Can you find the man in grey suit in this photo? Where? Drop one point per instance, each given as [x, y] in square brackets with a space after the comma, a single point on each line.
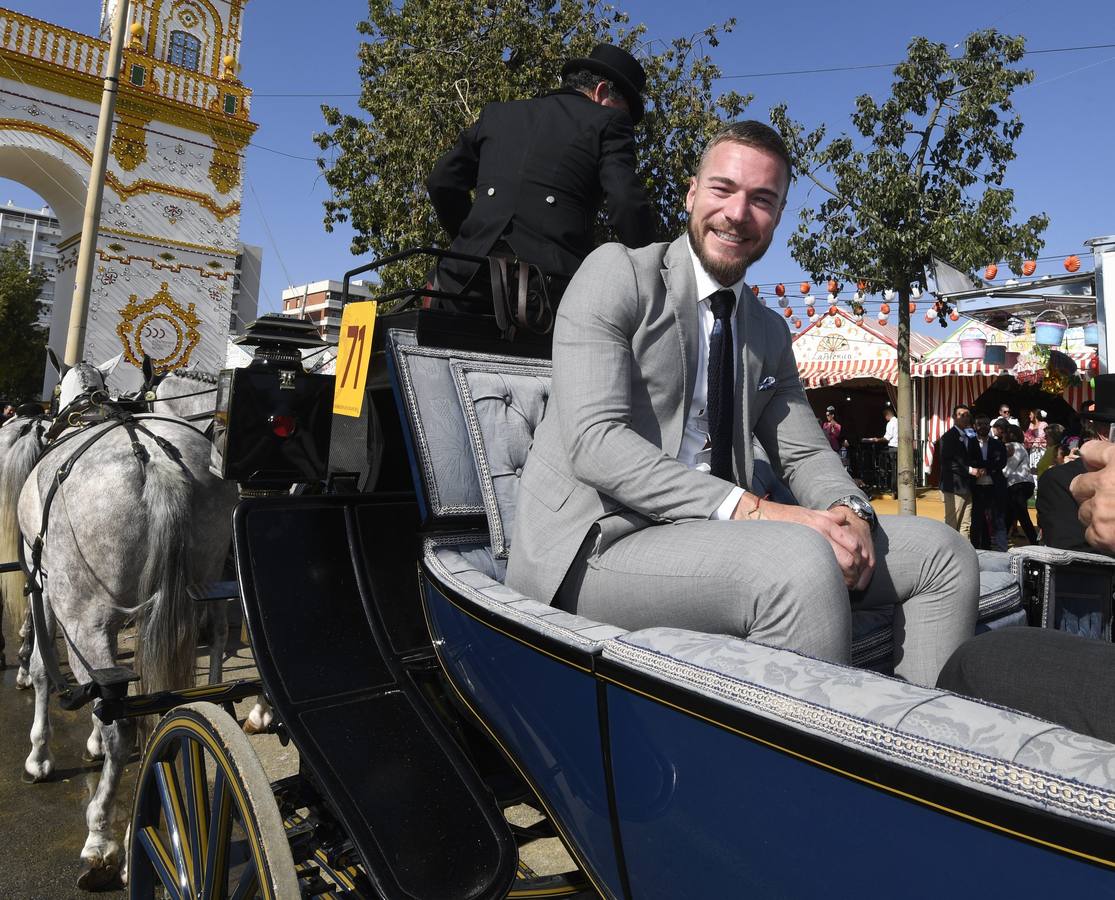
[634, 508]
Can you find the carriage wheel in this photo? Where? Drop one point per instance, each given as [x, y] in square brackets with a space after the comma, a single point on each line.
[205, 823]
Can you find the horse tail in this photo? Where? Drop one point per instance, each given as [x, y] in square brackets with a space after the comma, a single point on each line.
[15, 468]
[166, 630]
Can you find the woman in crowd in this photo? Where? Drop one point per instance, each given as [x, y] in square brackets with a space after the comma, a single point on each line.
[1020, 482]
[1034, 437]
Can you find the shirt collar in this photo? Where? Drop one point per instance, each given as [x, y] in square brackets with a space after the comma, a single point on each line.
[706, 284]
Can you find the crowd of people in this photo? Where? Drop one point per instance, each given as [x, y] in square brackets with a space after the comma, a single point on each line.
[991, 469]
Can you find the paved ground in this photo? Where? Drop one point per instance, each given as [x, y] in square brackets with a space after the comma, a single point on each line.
[42, 826]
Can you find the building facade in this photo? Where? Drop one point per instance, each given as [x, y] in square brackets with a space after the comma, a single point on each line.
[167, 249]
[39, 232]
[321, 303]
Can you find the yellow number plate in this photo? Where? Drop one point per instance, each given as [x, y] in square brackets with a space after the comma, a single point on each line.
[354, 353]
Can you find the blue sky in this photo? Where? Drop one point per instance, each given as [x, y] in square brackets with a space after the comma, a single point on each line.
[1064, 155]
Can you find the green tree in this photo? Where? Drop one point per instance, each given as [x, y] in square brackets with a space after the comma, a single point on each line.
[22, 341]
[922, 176]
[427, 69]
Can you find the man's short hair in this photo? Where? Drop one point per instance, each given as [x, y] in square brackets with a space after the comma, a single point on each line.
[584, 80]
[751, 133]
[960, 406]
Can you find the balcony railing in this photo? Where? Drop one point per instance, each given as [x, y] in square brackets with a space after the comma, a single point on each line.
[53, 44]
[87, 55]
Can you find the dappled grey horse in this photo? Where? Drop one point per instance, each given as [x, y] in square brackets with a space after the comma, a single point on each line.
[187, 394]
[137, 519]
[21, 445]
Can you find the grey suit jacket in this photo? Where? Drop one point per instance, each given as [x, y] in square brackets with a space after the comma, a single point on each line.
[625, 361]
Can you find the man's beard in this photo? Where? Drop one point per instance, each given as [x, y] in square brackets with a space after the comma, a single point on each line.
[724, 271]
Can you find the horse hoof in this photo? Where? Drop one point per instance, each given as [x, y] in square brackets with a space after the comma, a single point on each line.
[87, 757]
[251, 727]
[28, 778]
[22, 680]
[96, 878]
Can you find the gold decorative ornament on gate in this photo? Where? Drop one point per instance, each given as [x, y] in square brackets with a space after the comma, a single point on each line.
[161, 328]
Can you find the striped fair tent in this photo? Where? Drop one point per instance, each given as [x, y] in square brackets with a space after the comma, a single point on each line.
[836, 348]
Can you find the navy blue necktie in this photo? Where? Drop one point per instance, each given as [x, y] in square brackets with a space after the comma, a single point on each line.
[721, 384]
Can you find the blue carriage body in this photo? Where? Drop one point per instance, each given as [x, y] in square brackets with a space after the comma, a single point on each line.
[678, 764]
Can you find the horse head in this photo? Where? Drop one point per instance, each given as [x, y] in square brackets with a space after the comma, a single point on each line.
[84, 380]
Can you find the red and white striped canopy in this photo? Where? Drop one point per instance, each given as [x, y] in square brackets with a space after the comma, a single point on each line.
[821, 374]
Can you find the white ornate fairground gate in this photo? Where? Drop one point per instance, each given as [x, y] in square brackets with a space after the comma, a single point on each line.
[167, 245]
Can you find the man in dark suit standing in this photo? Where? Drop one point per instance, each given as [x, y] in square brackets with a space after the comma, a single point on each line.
[986, 457]
[956, 482]
[529, 176]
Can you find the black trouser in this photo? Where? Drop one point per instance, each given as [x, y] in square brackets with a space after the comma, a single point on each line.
[988, 506]
[1018, 510]
[1062, 677]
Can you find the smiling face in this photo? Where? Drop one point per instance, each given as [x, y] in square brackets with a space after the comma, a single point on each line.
[734, 205]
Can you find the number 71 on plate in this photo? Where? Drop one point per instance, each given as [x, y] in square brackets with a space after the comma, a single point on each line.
[354, 353]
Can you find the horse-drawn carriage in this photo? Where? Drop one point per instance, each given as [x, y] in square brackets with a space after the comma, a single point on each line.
[424, 696]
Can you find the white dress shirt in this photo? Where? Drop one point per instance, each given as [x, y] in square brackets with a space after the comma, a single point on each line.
[695, 450]
[891, 434]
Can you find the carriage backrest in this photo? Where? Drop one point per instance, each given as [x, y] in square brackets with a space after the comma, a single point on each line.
[470, 419]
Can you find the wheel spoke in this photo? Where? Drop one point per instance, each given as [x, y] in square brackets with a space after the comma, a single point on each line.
[249, 884]
[175, 819]
[196, 802]
[220, 834]
[160, 859]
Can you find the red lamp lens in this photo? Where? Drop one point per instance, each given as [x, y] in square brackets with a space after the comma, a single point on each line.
[283, 426]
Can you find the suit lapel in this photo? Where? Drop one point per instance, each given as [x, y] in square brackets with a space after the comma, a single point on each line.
[681, 294]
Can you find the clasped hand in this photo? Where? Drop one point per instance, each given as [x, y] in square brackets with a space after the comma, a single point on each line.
[1094, 491]
[847, 534]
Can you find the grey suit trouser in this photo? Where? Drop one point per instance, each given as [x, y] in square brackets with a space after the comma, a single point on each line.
[779, 584]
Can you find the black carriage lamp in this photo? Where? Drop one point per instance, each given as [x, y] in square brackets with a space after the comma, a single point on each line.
[279, 340]
[273, 418]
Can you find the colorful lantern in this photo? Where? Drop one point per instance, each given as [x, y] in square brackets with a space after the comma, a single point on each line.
[1029, 267]
[797, 323]
[755, 290]
[884, 309]
[1072, 263]
[954, 315]
[882, 320]
[833, 286]
[838, 322]
[788, 312]
[804, 287]
[913, 307]
[810, 311]
[780, 290]
[990, 272]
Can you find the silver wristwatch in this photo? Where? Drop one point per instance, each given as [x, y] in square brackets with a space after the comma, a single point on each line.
[860, 507]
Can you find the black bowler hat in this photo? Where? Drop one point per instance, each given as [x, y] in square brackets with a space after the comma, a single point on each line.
[1104, 404]
[619, 67]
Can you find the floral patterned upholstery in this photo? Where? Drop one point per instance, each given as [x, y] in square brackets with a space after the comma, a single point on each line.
[992, 749]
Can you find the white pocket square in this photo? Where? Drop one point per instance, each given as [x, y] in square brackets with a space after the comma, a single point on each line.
[767, 383]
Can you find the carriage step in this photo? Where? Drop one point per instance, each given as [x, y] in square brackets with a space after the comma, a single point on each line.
[216, 590]
[109, 684]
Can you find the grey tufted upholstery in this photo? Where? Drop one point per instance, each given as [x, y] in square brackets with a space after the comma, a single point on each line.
[503, 404]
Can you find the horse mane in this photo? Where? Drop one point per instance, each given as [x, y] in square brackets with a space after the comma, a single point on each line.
[194, 375]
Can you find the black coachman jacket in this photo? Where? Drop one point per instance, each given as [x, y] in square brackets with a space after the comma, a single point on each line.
[540, 169]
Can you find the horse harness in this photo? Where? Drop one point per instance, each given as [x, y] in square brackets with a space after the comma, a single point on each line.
[85, 411]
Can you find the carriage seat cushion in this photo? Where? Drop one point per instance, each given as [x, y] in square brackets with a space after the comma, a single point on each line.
[465, 565]
[503, 403]
[991, 749]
